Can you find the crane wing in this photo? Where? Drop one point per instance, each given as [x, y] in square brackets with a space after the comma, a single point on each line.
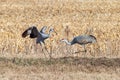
[83, 39]
[32, 31]
[43, 29]
[27, 32]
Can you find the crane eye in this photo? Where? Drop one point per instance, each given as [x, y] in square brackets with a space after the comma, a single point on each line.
[52, 29]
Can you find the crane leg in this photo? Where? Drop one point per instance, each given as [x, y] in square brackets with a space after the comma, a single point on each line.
[49, 53]
[43, 50]
[46, 49]
[36, 47]
[84, 50]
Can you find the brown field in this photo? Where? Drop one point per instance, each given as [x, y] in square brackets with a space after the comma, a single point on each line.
[20, 60]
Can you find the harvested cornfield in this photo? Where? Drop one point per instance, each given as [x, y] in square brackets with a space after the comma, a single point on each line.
[69, 18]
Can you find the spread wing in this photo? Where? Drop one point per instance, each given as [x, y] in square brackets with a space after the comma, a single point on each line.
[32, 31]
[43, 29]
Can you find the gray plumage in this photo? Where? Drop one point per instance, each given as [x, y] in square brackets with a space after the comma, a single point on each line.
[34, 33]
[82, 40]
[43, 29]
[43, 36]
[40, 36]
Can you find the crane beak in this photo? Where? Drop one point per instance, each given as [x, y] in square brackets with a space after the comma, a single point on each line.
[61, 40]
[55, 32]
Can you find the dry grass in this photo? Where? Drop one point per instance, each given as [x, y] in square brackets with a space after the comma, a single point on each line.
[72, 68]
[99, 18]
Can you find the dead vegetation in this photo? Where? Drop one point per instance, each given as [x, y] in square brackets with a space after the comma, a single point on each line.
[100, 18]
[70, 18]
[65, 64]
[23, 68]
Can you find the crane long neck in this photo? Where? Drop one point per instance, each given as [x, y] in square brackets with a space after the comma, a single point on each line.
[67, 42]
[50, 33]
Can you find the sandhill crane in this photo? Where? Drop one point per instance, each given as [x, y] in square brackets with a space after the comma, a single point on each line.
[40, 36]
[82, 40]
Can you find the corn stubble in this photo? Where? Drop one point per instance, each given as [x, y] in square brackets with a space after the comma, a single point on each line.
[70, 18]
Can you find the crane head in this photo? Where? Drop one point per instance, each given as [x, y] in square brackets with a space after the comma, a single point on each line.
[93, 39]
[62, 40]
[52, 30]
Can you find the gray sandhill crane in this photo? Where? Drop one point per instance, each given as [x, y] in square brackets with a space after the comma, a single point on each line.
[82, 40]
[40, 36]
